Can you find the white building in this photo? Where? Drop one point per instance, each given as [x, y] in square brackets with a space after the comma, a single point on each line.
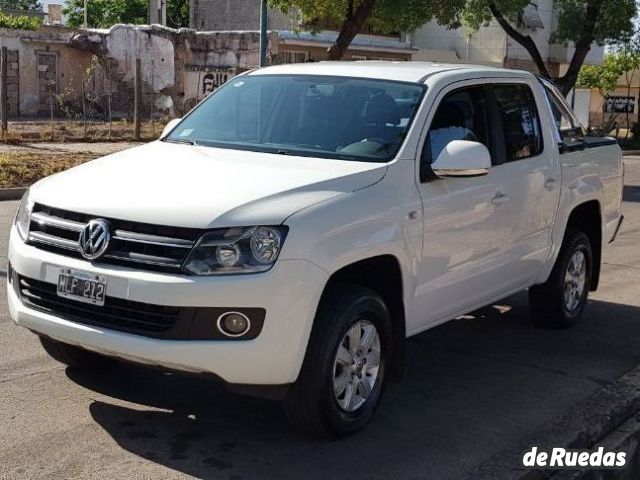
[490, 45]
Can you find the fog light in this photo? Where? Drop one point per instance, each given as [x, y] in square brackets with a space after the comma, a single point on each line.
[233, 324]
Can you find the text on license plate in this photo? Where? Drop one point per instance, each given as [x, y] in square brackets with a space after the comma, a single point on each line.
[82, 286]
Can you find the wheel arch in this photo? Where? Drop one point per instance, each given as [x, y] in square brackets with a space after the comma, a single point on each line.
[383, 275]
[587, 218]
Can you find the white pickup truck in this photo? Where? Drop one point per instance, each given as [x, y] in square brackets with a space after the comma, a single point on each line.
[290, 232]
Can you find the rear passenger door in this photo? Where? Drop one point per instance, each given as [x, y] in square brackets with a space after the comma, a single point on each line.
[528, 171]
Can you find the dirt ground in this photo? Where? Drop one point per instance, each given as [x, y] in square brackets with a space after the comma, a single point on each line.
[22, 165]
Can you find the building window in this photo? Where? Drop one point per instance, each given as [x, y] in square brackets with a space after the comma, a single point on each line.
[356, 58]
[291, 56]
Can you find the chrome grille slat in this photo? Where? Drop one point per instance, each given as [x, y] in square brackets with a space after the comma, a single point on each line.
[46, 239]
[58, 222]
[152, 239]
[145, 259]
[151, 247]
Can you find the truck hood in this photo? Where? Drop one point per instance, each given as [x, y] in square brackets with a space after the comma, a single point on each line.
[202, 187]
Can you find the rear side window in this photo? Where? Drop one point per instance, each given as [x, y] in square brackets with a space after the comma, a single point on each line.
[520, 121]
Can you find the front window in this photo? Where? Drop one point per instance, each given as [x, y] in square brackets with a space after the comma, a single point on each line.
[328, 117]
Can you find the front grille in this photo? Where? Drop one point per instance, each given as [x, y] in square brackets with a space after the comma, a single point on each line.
[118, 314]
[139, 245]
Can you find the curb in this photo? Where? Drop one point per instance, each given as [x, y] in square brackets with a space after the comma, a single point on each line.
[625, 438]
[585, 424]
[628, 153]
[11, 193]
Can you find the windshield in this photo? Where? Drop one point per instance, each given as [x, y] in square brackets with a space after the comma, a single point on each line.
[327, 117]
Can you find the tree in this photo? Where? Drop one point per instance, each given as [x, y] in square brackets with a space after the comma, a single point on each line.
[105, 13]
[620, 66]
[19, 22]
[22, 5]
[178, 13]
[580, 22]
[352, 15]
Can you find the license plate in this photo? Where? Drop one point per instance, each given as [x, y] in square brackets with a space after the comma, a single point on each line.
[82, 286]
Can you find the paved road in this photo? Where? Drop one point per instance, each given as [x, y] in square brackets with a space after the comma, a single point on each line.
[473, 388]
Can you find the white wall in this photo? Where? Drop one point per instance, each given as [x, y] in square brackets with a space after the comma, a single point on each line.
[485, 45]
[490, 45]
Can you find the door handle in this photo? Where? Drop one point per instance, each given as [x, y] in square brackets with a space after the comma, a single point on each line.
[550, 183]
[499, 198]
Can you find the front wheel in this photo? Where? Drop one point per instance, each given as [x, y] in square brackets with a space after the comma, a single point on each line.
[344, 372]
[560, 301]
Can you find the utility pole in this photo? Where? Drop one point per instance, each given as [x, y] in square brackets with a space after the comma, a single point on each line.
[86, 15]
[264, 41]
[137, 100]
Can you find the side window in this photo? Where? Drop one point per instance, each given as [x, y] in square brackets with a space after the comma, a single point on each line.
[520, 121]
[461, 115]
[568, 126]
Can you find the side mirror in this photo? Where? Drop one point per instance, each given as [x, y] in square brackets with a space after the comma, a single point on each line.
[462, 158]
[170, 126]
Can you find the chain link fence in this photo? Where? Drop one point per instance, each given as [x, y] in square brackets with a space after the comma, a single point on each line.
[92, 107]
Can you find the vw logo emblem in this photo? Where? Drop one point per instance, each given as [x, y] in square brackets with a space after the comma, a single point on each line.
[94, 239]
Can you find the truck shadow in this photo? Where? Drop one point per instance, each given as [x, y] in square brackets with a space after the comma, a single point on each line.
[473, 387]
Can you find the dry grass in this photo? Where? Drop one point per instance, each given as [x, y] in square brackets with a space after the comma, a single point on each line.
[74, 131]
[22, 169]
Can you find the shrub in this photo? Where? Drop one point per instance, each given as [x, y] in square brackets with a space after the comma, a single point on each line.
[19, 22]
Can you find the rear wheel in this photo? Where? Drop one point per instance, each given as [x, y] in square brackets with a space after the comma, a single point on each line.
[73, 356]
[344, 372]
[560, 301]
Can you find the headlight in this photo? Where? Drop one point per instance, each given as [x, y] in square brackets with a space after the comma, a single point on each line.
[23, 217]
[236, 250]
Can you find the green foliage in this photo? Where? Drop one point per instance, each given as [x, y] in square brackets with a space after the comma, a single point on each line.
[614, 22]
[24, 5]
[605, 77]
[178, 13]
[19, 22]
[105, 13]
[388, 15]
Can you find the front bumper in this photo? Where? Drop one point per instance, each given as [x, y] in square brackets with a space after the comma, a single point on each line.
[290, 293]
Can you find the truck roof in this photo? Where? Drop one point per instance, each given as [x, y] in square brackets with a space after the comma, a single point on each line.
[414, 72]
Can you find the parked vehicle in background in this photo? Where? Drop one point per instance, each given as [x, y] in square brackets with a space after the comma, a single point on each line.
[294, 229]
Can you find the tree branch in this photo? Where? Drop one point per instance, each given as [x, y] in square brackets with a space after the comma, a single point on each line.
[525, 40]
[582, 46]
[351, 26]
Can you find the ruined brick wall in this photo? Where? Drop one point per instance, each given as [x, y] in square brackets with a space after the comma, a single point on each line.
[176, 64]
[13, 82]
[212, 15]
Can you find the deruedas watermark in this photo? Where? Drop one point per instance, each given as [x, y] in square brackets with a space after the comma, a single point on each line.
[562, 458]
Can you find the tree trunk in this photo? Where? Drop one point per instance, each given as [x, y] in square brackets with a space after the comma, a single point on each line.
[525, 40]
[352, 25]
[582, 45]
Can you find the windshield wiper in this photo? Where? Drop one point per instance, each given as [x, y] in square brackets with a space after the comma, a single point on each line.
[182, 141]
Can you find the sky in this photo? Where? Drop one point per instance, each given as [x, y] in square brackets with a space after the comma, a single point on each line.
[46, 2]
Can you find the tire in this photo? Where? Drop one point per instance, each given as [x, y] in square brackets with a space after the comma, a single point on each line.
[71, 356]
[550, 306]
[345, 313]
